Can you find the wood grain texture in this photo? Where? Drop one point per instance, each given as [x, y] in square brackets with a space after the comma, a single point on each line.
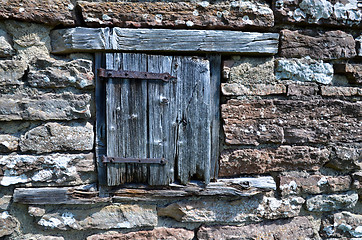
[125, 39]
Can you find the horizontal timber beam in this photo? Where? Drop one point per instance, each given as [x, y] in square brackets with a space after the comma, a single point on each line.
[82, 39]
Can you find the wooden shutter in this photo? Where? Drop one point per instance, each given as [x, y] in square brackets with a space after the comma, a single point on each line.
[157, 119]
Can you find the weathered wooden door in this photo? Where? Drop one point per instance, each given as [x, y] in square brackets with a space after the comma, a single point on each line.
[160, 119]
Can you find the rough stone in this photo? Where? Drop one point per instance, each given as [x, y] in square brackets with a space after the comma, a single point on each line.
[249, 71]
[30, 40]
[6, 48]
[223, 15]
[8, 143]
[346, 158]
[47, 170]
[8, 224]
[313, 184]
[48, 73]
[12, 72]
[332, 202]
[47, 106]
[284, 158]
[39, 237]
[229, 89]
[304, 70]
[264, 182]
[353, 72]
[107, 217]
[359, 46]
[325, 46]
[321, 12]
[52, 12]
[58, 137]
[342, 224]
[340, 91]
[286, 229]
[155, 234]
[5, 201]
[238, 211]
[302, 89]
[255, 122]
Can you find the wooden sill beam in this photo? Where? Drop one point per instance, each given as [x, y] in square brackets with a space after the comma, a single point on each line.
[82, 39]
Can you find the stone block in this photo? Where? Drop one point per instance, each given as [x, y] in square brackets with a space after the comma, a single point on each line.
[8, 143]
[116, 216]
[340, 91]
[53, 12]
[52, 137]
[235, 89]
[302, 89]
[5, 201]
[326, 46]
[12, 72]
[249, 71]
[39, 237]
[8, 224]
[342, 225]
[47, 170]
[223, 15]
[51, 73]
[157, 233]
[238, 211]
[359, 46]
[255, 122]
[45, 106]
[286, 229]
[6, 48]
[332, 202]
[353, 72]
[304, 70]
[291, 184]
[320, 12]
[259, 161]
[346, 158]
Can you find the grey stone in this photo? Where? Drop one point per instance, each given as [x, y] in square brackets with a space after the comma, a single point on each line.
[340, 91]
[39, 237]
[342, 224]
[286, 229]
[239, 211]
[332, 202]
[5, 201]
[8, 143]
[107, 217]
[359, 46]
[47, 170]
[12, 71]
[304, 70]
[230, 89]
[267, 183]
[6, 48]
[50, 106]
[346, 158]
[47, 72]
[58, 137]
[8, 224]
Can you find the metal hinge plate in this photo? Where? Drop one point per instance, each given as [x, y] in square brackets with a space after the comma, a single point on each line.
[107, 73]
[161, 161]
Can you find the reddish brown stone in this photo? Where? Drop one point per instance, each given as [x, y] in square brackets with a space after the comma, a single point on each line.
[342, 13]
[291, 121]
[313, 184]
[223, 15]
[155, 234]
[286, 229]
[326, 46]
[302, 89]
[51, 12]
[284, 158]
[353, 72]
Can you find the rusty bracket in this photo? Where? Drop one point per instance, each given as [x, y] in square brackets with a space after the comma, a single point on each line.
[107, 73]
[161, 161]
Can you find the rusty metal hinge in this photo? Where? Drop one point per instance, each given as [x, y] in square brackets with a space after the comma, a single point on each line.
[107, 73]
[161, 161]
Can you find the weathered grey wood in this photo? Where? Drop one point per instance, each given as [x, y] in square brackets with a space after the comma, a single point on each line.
[125, 39]
[64, 195]
[194, 119]
[215, 82]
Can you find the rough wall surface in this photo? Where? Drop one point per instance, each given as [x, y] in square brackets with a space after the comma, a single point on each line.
[290, 164]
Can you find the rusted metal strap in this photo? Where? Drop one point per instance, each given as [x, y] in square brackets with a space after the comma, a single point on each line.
[107, 73]
[161, 161]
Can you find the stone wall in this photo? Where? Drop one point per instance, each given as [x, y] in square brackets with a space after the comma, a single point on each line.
[290, 160]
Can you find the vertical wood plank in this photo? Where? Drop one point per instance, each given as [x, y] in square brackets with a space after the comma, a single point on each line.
[215, 81]
[162, 120]
[194, 124]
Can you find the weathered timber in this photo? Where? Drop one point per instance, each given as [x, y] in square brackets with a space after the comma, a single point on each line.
[82, 39]
[52, 195]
